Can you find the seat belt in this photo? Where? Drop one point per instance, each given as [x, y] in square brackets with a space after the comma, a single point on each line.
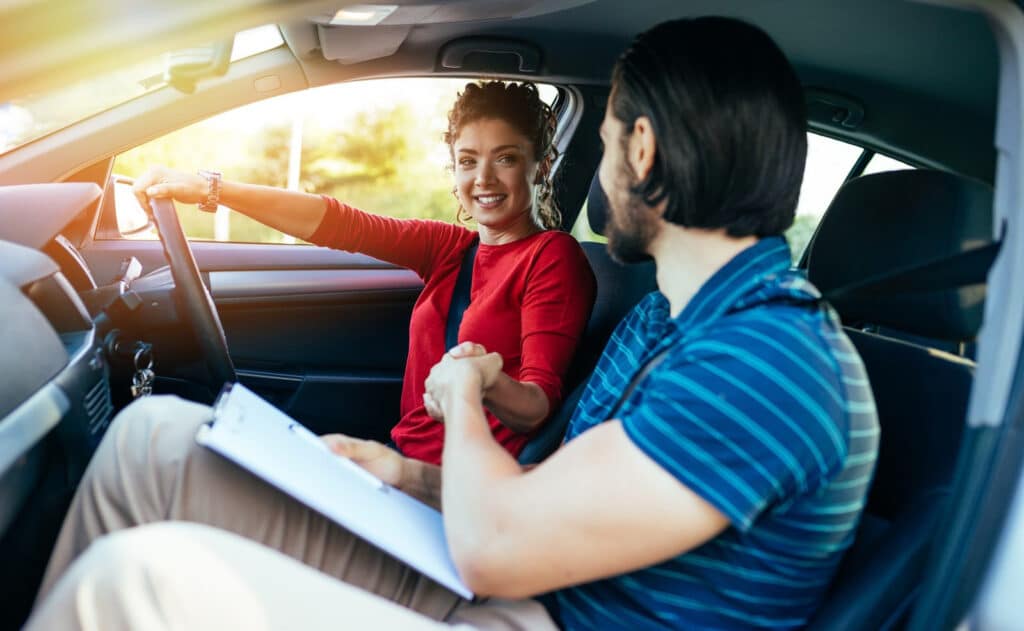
[460, 298]
[640, 375]
[960, 270]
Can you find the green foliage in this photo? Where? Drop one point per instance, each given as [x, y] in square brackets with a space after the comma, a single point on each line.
[383, 160]
[387, 160]
[800, 233]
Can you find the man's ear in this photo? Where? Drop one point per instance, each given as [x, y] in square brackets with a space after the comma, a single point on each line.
[642, 148]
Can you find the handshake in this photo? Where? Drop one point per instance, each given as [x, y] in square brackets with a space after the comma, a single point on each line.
[466, 369]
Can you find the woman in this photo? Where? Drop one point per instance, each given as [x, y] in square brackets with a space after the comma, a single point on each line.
[532, 288]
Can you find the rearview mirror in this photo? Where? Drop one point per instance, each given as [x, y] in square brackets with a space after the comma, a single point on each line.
[183, 68]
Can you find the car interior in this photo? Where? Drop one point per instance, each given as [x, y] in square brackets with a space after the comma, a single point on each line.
[323, 334]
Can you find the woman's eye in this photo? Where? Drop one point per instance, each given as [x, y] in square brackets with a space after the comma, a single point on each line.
[466, 162]
[507, 159]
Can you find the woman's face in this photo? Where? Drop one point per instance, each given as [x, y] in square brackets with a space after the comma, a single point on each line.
[495, 174]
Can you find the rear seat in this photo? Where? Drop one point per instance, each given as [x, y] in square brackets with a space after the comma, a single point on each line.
[877, 224]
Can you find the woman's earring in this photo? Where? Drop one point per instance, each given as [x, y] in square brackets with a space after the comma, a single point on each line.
[461, 215]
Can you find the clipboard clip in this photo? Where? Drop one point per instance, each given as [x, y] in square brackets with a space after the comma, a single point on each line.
[221, 402]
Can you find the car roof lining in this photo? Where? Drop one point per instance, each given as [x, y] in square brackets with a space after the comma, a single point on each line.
[925, 101]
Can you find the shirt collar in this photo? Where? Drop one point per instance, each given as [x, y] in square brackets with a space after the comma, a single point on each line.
[755, 275]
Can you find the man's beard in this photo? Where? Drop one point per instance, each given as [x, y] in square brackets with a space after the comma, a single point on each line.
[631, 224]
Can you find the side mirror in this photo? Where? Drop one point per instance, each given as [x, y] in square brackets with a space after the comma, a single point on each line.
[183, 68]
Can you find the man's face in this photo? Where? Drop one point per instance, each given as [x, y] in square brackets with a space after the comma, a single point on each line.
[631, 224]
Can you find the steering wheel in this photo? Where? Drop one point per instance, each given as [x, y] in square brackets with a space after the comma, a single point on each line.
[195, 298]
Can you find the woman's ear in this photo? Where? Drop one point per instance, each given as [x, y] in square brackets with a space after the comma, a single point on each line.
[643, 146]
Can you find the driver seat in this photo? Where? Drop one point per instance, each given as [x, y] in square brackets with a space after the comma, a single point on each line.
[619, 288]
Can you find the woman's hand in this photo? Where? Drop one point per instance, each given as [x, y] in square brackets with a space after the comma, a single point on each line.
[489, 364]
[161, 182]
[380, 460]
[466, 365]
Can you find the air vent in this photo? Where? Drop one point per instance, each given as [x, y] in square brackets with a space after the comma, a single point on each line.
[98, 407]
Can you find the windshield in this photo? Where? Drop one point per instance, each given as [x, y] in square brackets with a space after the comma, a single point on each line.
[36, 115]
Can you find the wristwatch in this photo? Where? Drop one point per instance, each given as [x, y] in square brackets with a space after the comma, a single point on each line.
[213, 195]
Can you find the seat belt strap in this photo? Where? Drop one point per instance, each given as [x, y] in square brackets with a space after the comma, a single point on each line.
[460, 298]
[960, 270]
[967, 268]
[640, 375]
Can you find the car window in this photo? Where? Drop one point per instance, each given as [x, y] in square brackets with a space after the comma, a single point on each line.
[829, 161]
[880, 163]
[376, 145]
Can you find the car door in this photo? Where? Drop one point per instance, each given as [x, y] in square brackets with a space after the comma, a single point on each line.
[321, 333]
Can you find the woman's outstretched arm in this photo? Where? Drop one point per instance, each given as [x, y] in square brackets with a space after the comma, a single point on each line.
[291, 212]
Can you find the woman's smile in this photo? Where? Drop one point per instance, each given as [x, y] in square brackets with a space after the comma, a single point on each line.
[490, 201]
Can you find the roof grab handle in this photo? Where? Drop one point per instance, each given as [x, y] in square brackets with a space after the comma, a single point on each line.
[489, 54]
[833, 107]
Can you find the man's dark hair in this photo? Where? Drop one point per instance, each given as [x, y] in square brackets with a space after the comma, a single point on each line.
[729, 119]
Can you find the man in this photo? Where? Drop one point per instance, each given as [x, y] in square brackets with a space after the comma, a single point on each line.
[721, 492]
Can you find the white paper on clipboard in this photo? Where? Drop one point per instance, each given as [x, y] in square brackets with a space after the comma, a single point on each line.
[260, 438]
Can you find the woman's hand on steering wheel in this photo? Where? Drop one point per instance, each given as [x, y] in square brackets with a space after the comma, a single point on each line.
[162, 183]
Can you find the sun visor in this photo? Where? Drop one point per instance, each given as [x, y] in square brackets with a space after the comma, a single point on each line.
[353, 44]
[361, 32]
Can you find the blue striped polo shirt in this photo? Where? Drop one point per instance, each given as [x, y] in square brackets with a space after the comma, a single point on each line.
[762, 407]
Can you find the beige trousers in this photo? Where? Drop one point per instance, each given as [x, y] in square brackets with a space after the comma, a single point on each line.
[309, 573]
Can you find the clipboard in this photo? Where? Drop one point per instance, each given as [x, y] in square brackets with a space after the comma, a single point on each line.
[257, 436]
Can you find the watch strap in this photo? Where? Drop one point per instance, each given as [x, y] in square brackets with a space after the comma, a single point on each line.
[212, 201]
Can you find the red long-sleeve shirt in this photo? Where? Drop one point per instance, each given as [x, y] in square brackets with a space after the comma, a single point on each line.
[529, 300]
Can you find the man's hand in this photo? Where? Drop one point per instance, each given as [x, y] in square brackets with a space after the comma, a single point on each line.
[378, 459]
[467, 365]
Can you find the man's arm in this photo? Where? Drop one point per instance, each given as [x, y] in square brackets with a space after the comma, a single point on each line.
[720, 433]
[597, 508]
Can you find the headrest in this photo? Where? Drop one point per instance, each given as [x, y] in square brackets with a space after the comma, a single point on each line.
[597, 206]
[882, 223]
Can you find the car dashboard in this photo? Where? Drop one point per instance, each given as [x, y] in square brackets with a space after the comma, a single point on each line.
[55, 395]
